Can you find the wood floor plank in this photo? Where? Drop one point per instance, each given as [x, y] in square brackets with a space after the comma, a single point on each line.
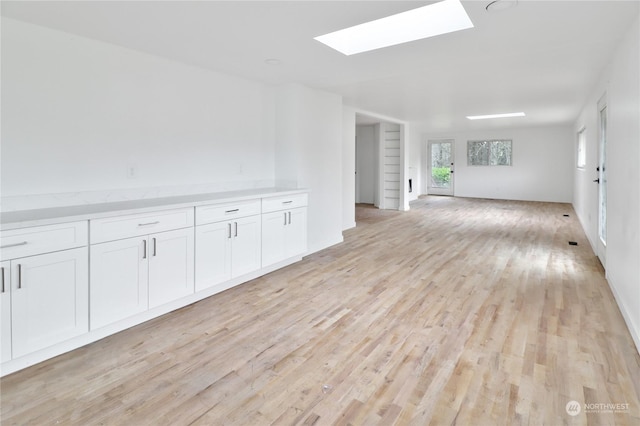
[459, 311]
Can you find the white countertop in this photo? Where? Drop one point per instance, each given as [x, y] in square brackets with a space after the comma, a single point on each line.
[50, 216]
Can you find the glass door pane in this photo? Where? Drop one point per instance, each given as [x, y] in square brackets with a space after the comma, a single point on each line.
[602, 222]
[440, 167]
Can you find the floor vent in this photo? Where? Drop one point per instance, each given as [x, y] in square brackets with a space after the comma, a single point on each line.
[565, 215]
[573, 243]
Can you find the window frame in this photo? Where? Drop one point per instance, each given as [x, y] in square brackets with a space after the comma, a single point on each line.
[581, 149]
[488, 155]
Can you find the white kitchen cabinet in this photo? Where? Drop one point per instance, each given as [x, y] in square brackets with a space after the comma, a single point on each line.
[119, 276]
[45, 287]
[284, 228]
[132, 275]
[60, 290]
[171, 266]
[5, 310]
[49, 299]
[245, 245]
[226, 250]
[296, 232]
[213, 254]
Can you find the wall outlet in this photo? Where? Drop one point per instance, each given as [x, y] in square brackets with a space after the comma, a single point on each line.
[132, 171]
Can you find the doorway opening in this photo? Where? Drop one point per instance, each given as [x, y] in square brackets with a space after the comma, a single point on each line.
[379, 169]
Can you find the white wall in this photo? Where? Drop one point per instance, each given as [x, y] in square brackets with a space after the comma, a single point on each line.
[77, 112]
[366, 164]
[309, 146]
[621, 83]
[539, 156]
[348, 167]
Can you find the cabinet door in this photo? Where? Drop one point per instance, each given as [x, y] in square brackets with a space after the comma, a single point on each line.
[213, 254]
[170, 266]
[273, 239]
[5, 311]
[296, 232]
[119, 271]
[49, 299]
[245, 245]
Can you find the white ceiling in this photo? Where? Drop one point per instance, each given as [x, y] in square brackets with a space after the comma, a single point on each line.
[540, 57]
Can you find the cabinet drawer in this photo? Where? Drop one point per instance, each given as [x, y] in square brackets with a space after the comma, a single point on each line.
[116, 228]
[273, 204]
[219, 212]
[42, 239]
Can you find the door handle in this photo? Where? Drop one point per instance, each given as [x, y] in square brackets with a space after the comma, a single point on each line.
[149, 223]
[19, 275]
[144, 249]
[285, 218]
[15, 245]
[235, 234]
[289, 218]
[229, 229]
[2, 272]
[597, 180]
[155, 247]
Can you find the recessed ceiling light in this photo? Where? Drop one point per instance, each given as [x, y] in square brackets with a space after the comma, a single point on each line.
[497, 5]
[484, 117]
[439, 18]
[272, 61]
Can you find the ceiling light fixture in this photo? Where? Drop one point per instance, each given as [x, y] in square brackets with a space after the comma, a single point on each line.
[497, 5]
[435, 19]
[485, 117]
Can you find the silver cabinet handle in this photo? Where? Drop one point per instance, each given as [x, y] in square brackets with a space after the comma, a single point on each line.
[235, 234]
[19, 275]
[289, 218]
[144, 249]
[285, 218]
[229, 229]
[2, 272]
[15, 245]
[155, 247]
[232, 211]
[149, 223]
[287, 202]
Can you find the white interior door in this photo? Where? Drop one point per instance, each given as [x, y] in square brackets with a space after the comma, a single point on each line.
[365, 165]
[440, 162]
[602, 181]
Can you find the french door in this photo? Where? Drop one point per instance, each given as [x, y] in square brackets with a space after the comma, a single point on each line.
[440, 160]
[602, 180]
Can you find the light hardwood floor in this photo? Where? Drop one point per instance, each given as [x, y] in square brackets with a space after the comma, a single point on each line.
[460, 311]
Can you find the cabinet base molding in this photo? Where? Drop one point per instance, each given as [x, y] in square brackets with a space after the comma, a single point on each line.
[31, 359]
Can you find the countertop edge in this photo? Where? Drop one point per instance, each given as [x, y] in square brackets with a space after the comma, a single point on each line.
[57, 215]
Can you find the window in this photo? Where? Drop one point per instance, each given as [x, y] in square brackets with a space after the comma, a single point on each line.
[489, 153]
[581, 160]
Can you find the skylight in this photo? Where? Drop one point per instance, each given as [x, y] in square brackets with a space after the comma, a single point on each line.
[439, 18]
[485, 117]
